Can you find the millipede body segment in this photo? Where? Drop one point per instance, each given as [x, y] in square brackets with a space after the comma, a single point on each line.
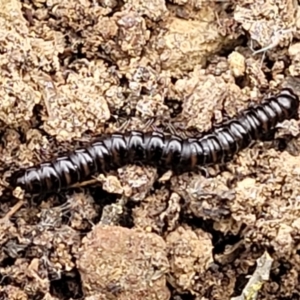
[164, 152]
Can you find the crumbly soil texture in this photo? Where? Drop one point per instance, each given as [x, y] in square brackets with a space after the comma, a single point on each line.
[74, 70]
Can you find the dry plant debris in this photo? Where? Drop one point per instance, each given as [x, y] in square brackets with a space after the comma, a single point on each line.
[261, 274]
[71, 70]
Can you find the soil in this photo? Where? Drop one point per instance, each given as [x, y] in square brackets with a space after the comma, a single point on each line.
[74, 70]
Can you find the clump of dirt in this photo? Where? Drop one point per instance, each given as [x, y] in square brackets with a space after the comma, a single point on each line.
[190, 255]
[122, 263]
[72, 70]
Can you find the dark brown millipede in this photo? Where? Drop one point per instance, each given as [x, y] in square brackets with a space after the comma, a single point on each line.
[164, 152]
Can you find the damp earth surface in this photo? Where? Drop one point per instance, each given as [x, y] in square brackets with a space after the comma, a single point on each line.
[74, 70]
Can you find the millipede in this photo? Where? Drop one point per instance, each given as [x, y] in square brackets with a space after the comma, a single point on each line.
[219, 145]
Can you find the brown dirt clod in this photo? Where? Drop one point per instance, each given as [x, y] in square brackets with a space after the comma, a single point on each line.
[134, 267]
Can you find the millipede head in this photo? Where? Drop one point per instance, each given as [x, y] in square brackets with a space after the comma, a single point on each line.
[28, 180]
[18, 179]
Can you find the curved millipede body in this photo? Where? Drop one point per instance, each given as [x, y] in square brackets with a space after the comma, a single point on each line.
[156, 149]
